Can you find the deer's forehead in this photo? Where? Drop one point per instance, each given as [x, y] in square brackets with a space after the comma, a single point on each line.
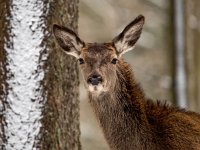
[100, 51]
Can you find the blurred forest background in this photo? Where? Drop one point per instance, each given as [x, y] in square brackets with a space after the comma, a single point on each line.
[39, 85]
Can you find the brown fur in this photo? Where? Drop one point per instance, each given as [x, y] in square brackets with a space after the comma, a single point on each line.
[129, 120]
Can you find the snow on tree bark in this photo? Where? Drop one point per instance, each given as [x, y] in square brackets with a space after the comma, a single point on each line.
[39, 85]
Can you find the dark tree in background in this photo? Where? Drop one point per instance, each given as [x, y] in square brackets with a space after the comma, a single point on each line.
[39, 107]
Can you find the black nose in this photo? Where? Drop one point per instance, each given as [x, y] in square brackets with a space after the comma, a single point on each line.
[95, 79]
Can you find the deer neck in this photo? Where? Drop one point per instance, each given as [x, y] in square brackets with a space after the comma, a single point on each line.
[123, 109]
[126, 94]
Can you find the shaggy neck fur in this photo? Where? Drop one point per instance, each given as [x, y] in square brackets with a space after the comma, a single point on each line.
[121, 112]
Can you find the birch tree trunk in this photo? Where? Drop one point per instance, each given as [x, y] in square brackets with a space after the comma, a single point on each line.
[38, 84]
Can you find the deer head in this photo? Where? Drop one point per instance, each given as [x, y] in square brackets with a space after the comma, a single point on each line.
[99, 61]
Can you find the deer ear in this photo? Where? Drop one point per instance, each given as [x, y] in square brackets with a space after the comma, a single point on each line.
[126, 40]
[68, 40]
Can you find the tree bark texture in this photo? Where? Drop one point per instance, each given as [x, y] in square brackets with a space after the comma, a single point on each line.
[39, 107]
[61, 113]
[3, 86]
[193, 53]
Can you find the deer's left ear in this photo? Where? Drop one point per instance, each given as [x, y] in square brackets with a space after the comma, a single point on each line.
[126, 40]
[68, 40]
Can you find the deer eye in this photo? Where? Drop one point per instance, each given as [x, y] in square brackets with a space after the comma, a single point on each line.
[114, 61]
[81, 61]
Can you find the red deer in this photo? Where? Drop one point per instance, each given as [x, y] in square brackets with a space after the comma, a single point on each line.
[129, 120]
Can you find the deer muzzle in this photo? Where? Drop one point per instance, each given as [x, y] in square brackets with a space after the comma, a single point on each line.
[94, 79]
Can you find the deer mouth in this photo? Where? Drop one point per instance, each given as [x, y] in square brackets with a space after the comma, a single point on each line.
[95, 88]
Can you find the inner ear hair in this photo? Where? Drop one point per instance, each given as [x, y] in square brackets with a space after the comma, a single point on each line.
[126, 40]
[68, 40]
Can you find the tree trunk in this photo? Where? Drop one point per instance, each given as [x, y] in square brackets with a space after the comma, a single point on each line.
[39, 84]
[193, 53]
[3, 85]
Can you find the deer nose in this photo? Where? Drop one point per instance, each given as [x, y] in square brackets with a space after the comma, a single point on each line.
[95, 79]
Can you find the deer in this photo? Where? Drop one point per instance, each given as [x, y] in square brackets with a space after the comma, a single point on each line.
[129, 120]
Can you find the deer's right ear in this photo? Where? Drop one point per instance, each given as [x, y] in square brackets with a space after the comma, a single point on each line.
[68, 40]
[126, 40]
